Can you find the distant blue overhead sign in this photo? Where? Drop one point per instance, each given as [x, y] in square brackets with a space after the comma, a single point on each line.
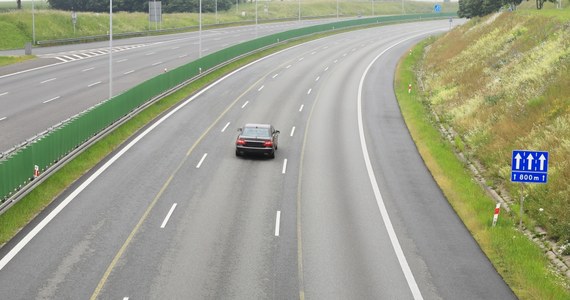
[437, 8]
[529, 166]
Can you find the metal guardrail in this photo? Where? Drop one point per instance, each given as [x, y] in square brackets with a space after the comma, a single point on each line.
[56, 146]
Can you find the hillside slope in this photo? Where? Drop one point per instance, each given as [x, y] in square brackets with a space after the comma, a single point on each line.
[501, 83]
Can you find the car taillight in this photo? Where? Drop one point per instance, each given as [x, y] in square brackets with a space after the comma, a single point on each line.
[240, 142]
[268, 144]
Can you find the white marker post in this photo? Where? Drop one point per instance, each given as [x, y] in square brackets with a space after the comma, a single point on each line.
[496, 215]
[409, 88]
[36, 171]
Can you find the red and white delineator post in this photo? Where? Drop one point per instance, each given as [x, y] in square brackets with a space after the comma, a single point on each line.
[36, 171]
[496, 215]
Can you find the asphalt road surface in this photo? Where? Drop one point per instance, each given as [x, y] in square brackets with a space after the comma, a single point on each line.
[66, 80]
[346, 210]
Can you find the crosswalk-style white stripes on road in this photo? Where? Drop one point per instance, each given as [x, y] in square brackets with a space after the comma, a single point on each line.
[83, 54]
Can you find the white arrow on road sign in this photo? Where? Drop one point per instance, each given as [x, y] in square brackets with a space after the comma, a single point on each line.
[518, 159]
[542, 159]
[529, 159]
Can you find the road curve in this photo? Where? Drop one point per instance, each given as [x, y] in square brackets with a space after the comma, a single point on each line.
[174, 214]
[66, 80]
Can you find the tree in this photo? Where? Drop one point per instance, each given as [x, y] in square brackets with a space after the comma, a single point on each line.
[540, 3]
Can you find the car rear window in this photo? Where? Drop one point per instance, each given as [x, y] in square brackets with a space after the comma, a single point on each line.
[256, 132]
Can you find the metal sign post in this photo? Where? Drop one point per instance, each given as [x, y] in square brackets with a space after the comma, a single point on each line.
[528, 166]
[74, 20]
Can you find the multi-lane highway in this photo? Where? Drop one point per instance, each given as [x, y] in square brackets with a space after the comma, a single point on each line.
[346, 210]
[66, 80]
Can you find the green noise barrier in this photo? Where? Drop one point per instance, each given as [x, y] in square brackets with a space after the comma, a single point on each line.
[18, 168]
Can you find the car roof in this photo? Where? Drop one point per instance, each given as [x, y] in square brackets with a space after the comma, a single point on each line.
[257, 125]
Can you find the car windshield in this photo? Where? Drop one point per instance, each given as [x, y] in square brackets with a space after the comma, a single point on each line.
[257, 132]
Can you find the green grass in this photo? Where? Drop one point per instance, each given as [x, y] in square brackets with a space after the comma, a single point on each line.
[519, 261]
[519, 101]
[8, 60]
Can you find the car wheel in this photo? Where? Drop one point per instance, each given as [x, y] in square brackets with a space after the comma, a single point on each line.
[237, 153]
[272, 155]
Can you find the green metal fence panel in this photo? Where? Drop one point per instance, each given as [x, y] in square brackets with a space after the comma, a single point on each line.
[3, 180]
[17, 170]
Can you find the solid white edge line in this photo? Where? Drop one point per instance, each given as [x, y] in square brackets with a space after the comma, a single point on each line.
[43, 223]
[201, 161]
[292, 130]
[225, 127]
[168, 215]
[34, 69]
[379, 200]
[277, 222]
[284, 170]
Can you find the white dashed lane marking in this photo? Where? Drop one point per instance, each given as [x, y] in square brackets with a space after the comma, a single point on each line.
[52, 99]
[226, 127]
[201, 161]
[168, 215]
[48, 80]
[301, 108]
[284, 170]
[292, 130]
[277, 222]
[94, 83]
[245, 104]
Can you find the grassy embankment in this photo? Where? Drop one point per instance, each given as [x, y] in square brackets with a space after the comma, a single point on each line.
[519, 100]
[16, 26]
[8, 60]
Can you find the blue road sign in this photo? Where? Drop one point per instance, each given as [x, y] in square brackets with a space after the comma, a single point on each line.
[529, 166]
[437, 8]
